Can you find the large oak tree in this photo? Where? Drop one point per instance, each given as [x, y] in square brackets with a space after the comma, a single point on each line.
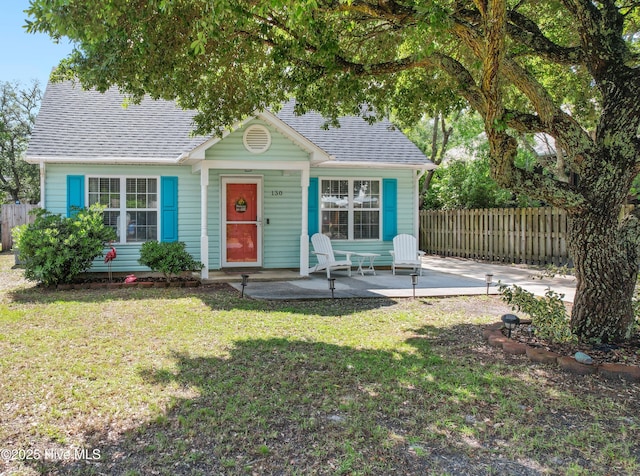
[568, 68]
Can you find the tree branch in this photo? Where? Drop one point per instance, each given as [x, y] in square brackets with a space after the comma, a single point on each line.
[526, 32]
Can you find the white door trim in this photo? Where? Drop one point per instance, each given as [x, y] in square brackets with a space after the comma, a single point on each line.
[228, 179]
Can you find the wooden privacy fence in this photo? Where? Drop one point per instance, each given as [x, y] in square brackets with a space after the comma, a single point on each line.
[14, 215]
[515, 235]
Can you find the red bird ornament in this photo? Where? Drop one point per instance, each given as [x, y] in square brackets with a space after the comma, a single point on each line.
[111, 255]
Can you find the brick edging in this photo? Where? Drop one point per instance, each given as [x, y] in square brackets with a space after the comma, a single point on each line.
[120, 285]
[495, 338]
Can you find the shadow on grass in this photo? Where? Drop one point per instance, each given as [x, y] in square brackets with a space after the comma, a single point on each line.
[220, 297]
[279, 406]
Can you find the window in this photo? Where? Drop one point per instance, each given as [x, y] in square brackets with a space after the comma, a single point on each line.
[350, 209]
[132, 206]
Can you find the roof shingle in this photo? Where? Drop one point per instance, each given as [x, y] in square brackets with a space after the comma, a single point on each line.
[82, 125]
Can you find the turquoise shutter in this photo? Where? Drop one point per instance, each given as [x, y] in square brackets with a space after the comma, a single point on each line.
[75, 193]
[313, 214]
[169, 208]
[389, 209]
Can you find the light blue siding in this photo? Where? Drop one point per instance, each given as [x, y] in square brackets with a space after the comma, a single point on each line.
[283, 209]
[128, 254]
[232, 148]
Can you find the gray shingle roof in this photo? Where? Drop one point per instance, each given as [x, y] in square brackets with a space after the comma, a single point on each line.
[85, 124]
[80, 125]
[355, 140]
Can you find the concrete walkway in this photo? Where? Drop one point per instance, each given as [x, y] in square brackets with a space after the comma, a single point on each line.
[440, 277]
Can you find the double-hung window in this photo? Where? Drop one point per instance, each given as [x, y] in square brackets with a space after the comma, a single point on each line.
[131, 206]
[350, 209]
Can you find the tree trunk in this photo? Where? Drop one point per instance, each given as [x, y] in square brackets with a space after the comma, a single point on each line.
[426, 183]
[606, 271]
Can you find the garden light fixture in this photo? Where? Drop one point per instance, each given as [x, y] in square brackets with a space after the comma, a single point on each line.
[332, 286]
[510, 321]
[488, 278]
[414, 282]
[245, 278]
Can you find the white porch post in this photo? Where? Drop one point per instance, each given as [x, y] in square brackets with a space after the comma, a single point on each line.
[304, 232]
[204, 234]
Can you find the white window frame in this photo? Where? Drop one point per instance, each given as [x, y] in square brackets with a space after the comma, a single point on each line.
[350, 207]
[123, 203]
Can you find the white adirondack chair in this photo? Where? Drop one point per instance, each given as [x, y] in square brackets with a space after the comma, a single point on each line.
[406, 254]
[326, 255]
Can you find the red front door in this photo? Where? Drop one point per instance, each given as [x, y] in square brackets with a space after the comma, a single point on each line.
[242, 244]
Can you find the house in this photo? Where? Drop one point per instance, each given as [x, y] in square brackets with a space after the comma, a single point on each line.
[250, 198]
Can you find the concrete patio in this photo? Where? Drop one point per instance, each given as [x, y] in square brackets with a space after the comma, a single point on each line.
[440, 277]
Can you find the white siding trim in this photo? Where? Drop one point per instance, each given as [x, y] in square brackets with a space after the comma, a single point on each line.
[250, 164]
[251, 179]
[304, 232]
[374, 165]
[204, 224]
[43, 176]
[103, 160]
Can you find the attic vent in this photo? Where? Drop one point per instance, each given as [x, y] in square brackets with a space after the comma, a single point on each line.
[257, 139]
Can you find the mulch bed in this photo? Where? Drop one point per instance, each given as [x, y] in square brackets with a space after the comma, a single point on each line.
[627, 353]
[119, 282]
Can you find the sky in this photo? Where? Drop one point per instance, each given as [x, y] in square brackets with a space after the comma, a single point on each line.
[25, 56]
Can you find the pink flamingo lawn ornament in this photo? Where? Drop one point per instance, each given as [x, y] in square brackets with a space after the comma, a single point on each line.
[110, 256]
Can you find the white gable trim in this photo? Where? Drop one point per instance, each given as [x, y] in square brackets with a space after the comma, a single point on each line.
[316, 154]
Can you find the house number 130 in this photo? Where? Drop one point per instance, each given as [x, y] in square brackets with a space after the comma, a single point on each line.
[276, 193]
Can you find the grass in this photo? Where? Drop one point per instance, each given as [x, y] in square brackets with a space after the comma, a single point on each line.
[184, 381]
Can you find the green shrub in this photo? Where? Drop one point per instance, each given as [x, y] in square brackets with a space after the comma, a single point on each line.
[548, 314]
[55, 249]
[167, 258]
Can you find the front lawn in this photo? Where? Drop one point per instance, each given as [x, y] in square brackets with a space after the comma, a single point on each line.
[198, 381]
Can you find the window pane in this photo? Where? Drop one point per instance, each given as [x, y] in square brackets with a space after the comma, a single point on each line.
[142, 226]
[335, 194]
[142, 193]
[366, 225]
[112, 220]
[105, 191]
[366, 194]
[131, 186]
[335, 224]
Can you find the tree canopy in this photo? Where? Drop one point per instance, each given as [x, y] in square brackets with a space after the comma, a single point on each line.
[568, 68]
[19, 181]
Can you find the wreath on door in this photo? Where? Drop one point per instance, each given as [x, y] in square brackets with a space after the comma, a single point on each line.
[241, 205]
